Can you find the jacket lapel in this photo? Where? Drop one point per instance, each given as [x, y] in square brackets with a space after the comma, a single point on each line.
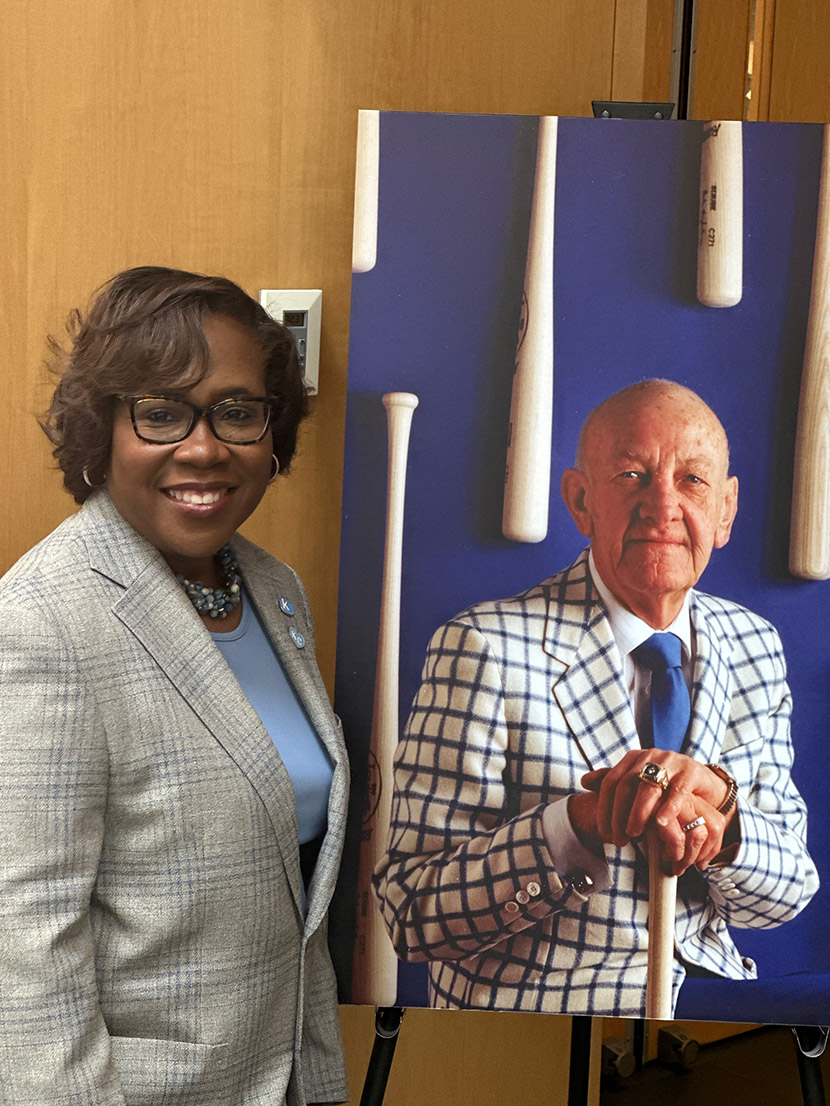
[712, 684]
[591, 692]
[268, 582]
[154, 608]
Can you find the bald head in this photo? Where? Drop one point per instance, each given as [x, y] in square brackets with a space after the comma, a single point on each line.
[661, 395]
[652, 492]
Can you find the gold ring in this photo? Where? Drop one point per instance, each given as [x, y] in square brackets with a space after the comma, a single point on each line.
[693, 825]
[654, 773]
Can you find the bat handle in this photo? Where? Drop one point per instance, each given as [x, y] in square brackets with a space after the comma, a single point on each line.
[400, 407]
[375, 974]
[662, 901]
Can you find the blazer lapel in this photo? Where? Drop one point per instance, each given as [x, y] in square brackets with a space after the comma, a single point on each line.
[712, 684]
[154, 608]
[591, 692]
[268, 582]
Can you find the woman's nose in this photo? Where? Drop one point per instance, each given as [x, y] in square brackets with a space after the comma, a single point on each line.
[201, 446]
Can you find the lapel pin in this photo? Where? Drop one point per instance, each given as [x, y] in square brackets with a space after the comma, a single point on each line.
[286, 606]
[296, 637]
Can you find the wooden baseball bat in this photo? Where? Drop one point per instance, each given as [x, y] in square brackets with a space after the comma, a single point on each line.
[375, 968]
[527, 478]
[662, 903]
[365, 234]
[810, 520]
[720, 242]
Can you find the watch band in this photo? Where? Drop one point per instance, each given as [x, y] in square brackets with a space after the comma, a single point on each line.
[732, 785]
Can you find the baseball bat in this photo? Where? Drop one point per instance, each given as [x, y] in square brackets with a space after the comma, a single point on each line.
[662, 904]
[720, 242]
[365, 234]
[375, 968]
[810, 519]
[527, 477]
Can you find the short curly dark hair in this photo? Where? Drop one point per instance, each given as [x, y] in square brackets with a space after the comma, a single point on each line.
[143, 333]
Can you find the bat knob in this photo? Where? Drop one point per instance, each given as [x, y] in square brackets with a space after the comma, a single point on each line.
[400, 399]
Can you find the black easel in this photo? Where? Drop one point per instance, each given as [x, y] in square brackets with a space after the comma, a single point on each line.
[387, 1025]
[811, 1040]
[579, 1071]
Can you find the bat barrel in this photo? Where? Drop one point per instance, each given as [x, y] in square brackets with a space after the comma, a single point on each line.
[527, 479]
[810, 519]
[365, 234]
[720, 226]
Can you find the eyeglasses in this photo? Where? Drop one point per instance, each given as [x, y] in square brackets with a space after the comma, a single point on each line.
[163, 421]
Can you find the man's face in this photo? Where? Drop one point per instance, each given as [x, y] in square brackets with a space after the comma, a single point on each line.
[654, 497]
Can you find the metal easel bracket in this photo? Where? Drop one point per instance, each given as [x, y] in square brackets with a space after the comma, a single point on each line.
[387, 1025]
[811, 1041]
[631, 109]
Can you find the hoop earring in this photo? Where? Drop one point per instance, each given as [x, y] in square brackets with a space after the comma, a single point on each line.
[89, 483]
[275, 466]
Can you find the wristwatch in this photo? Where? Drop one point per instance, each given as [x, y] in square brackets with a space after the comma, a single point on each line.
[732, 785]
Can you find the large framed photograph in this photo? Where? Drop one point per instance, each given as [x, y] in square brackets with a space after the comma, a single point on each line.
[438, 315]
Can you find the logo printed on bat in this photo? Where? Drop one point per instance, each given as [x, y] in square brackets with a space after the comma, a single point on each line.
[523, 319]
[374, 788]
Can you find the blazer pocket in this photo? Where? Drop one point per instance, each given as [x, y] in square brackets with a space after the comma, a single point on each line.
[155, 1072]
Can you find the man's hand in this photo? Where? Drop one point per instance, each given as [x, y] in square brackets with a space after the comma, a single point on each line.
[624, 805]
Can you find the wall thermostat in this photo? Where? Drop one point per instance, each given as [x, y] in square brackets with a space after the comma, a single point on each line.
[299, 309]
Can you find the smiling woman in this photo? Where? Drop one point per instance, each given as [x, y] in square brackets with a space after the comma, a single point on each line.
[173, 808]
[188, 497]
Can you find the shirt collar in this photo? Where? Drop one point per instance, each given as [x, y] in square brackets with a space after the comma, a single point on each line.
[630, 631]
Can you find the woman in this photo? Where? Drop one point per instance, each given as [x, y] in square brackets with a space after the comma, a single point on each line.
[174, 781]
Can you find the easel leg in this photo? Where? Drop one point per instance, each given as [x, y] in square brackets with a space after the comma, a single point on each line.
[387, 1024]
[580, 1070]
[810, 1041]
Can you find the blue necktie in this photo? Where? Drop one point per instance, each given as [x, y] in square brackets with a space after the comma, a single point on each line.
[670, 705]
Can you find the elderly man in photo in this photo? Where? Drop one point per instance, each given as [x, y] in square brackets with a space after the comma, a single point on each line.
[553, 729]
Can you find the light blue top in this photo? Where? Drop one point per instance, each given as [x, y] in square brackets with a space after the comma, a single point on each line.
[262, 677]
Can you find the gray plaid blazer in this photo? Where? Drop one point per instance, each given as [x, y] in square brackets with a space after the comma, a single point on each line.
[153, 948]
[519, 698]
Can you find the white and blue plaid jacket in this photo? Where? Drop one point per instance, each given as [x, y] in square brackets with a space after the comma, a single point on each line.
[519, 698]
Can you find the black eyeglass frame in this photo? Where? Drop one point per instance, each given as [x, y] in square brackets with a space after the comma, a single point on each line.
[206, 413]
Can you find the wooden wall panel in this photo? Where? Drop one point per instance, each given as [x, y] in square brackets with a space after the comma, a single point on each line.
[720, 59]
[643, 50]
[658, 50]
[15, 422]
[480, 1059]
[760, 60]
[799, 77]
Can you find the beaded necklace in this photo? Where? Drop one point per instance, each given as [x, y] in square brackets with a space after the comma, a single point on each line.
[217, 602]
